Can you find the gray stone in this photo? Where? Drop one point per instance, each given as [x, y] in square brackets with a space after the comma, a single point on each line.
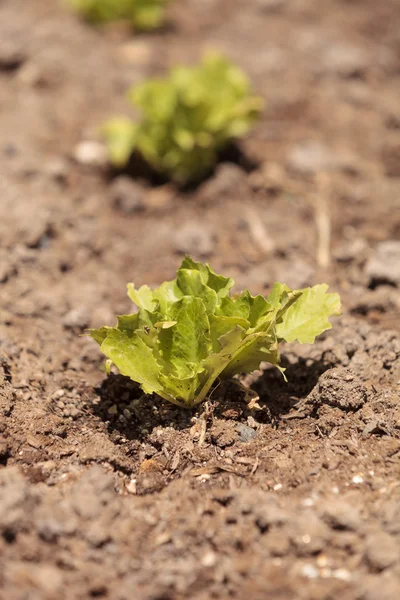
[246, 433]
[77, 318]
[228, 180]
[384, 266]
[127, 195]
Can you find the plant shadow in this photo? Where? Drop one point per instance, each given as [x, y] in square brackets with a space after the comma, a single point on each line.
[139, 169]
[282, 396]
[127, 410]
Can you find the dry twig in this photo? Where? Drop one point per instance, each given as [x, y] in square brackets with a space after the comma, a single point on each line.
[323, 220]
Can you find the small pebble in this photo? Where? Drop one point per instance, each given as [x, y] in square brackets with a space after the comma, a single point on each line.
[384, 266]
[358, 479]
[131, 486]
[77, 318]
[342, 574]
[309, 571]
[246, 433]
[91, 154]
[127, 195]
[209, 559]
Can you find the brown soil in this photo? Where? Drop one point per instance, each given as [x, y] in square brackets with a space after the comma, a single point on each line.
[106, 493]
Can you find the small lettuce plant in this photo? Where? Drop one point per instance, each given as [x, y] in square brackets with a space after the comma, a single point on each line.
[187, 119]
[191, 331]
[144, 15]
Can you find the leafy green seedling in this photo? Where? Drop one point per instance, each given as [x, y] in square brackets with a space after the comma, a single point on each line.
[187, 119]
[190, 331]
[144, 15]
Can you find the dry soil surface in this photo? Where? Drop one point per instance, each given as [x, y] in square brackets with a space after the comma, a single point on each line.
[106, 493]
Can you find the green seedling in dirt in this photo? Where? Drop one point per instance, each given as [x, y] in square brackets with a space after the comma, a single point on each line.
[144, 15]
[188, 118]
[191, 331]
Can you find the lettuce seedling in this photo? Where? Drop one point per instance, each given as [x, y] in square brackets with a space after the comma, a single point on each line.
[191, 331]
[187, 119]
[144, 15]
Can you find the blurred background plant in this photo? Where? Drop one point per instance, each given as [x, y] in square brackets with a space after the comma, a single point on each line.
[188, 118]
[144, 15]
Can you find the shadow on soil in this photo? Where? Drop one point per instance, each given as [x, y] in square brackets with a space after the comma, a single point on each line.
[126, 410]
[281, 396]
[139, 169]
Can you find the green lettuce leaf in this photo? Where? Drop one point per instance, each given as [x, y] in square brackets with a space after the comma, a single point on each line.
[144, 15]
[120, 134]
[134, 358]
[190, 332]
[187, 119]
[186, 344]
[308, 316]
